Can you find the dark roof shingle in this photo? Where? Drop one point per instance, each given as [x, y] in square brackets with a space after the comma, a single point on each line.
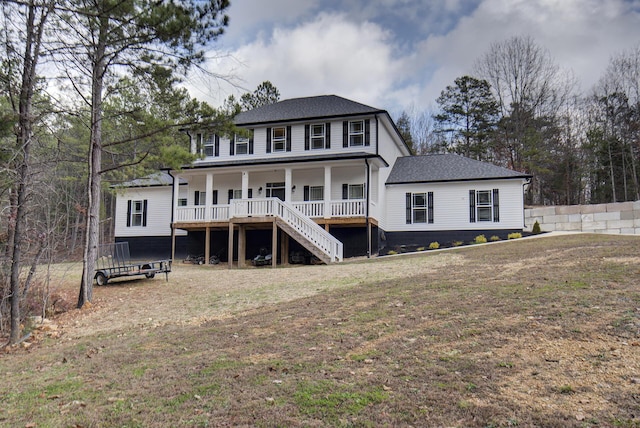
[446, 167]
[323, 106]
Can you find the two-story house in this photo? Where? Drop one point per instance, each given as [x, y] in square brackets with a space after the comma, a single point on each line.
[323, 175]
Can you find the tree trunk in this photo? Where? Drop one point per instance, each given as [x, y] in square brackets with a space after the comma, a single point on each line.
[95, 162]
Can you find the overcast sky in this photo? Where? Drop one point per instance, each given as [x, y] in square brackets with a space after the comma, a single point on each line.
[400, 54]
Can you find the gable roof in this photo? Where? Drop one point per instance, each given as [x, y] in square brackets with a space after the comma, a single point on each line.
[153, 180]
[323, 106]
[446, 167]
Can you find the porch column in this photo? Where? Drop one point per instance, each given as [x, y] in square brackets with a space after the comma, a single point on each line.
[287, 184]
[176, 194]
[327, 191]
[208, 187]
[245, 184]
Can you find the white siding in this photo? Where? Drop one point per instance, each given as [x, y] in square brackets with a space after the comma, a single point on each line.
[297, 143]
[158, 211]
[451, 206]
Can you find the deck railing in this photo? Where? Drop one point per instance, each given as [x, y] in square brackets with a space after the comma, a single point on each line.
[298, 217]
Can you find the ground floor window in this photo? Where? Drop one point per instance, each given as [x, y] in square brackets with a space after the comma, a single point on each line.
[313, 193]
[137, 213]
[419, 207]
[484, 205]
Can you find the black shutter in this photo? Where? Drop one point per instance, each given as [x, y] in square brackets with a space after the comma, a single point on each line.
[367, 132]
[144, 213]
[472, 206]
[214, 198]
[251, 143]
[306, 137]
[250, 193]
[268, 140]
[306, 193]
[345, 191]
[217, 146]
[288, 138]
[232, 145]
[327, 135]
[230, 195]
[430, 207]
[345, 134]
[408, 215]
[496, 206]
[129, 213]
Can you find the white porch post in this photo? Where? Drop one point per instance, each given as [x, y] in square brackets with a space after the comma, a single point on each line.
[327, 191]
[287, 184]
[245, 184]
[176, 191]
[209, 196]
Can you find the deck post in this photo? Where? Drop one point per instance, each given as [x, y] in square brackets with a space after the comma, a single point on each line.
[173, 242]
[230, 248]
[242, 245]
[207, 242]
[284, 248]
[274, 244]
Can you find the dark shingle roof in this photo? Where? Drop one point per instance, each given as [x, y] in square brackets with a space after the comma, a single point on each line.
[155, 179]
[324, 106]
[446, 167]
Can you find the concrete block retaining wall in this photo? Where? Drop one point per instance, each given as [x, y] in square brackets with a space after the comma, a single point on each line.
[615, 218]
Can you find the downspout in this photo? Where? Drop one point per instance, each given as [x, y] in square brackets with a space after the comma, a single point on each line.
[366, 213]
[524, 218]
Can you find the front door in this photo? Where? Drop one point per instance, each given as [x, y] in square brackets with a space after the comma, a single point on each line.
[275, 190]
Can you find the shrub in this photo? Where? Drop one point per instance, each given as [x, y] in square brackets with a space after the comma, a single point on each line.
[456, 243]
[480, 239]
[536, 228]
[391, 252]
[494, 238]
[421, 249]
[514, 235]
[434, 246]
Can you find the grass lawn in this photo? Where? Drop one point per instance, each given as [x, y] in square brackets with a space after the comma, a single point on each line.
[531, 332]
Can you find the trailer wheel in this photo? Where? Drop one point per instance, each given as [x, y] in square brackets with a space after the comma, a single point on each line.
[101, 278]
[150, 275]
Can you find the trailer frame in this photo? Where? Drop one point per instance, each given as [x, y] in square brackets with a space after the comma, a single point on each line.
[114, 261]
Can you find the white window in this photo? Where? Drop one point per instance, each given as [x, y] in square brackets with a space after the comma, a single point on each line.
[241, 145]
[279, 139]
[137, 213]
[209, 143]
[237, 194]
[199, 198]
[316, 193]
[182, 202]
[318, 136]
[354, 191]
[484, 205]
[420, 207]
[356, 133]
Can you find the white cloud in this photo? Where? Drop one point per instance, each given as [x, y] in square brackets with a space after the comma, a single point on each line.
[328, 55]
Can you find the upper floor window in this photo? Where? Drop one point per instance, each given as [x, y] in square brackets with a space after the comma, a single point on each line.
[355, 133]
[207, 145]
[182, 202]
[353, 191]
[279, 139]
[137, 213]
[317, 136]
[199, 198]
[237, 194]
[484, 205]
[419, 207]
[241, 145]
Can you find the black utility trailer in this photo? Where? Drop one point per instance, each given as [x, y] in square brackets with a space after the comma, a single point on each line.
[114, 261]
